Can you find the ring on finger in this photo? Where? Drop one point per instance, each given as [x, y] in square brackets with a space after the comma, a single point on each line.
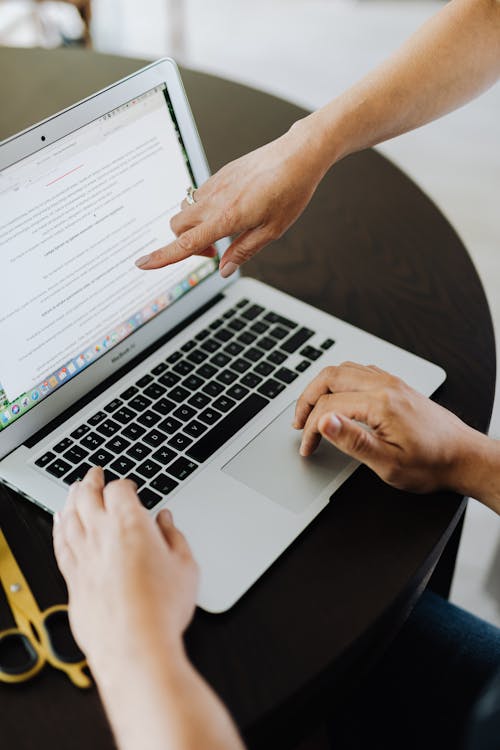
[190, 198]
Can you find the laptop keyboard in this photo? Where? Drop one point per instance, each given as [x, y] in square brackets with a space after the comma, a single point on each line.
[159, 430]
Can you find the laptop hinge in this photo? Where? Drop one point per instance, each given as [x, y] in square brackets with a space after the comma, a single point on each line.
[95, 392]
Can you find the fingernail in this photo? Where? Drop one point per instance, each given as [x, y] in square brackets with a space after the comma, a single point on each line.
[295, 425]
[301, 449]
[140, 262]
[228, 270]
[166, 512]
[332, 426]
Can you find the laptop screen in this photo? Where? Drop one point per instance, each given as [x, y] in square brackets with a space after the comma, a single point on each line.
[73, 219]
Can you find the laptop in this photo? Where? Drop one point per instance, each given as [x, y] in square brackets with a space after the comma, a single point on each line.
[177, 378]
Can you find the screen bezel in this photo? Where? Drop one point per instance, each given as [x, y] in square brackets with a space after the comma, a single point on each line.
[28, 142]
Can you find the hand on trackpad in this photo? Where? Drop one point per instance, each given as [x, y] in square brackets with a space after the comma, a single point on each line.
[271, 465]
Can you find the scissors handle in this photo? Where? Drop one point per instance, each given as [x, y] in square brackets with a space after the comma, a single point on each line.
[21, 657]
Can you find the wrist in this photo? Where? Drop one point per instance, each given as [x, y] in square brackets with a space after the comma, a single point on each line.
[475, 470]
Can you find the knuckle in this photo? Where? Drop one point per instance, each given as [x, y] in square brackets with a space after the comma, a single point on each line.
[186, 243]
[359, 441]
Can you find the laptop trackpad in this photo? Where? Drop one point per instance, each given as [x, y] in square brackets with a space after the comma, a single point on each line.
[271, 465]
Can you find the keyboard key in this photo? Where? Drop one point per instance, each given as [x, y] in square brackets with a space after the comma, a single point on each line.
[303, 365]
[164, 455]
[327, 344]
[77, 474]
[299, 337]
[154, 438]
[210, 345]
[273, 317]
[254, 354]
[242, 303]
[140, 403]
[142, 382]
[184, 412]
[202, 334]
[137, 479]
[216, 323]
[206, 371]
[279, 332]
[149, 498]
[161, 367]
[169, 425]
[311, 353]
[139, 451]
[247, 338]
[213, 388]
[277, 357]
[195, 428]
[286, 375]
[117, 445]
[251, 380]
[164, 406]
[113, 405]
[58, 468]
[80, 431]
[149, 418]
[237, 324]
[229, 426]
[110, 476]
[271, 388]
[267, 343]
[199, 400]
[209, 416]
[108, 428]
[45, 459]
[259, 327]
[183, 367]
[237, 391]
[188, 346]
[122, 465]
[229, 313]
[62, 445]
[169, 379]
[240, 365]
[182, 468]
[224, 403]
[220, 359]
[164, 484]
[197, 357]
[264, 368]
[133, 431]
[193, 382]
[252, 312]
[180, 441]
[101, 457]
[129, 393]
[148, 468]
[233, 349]
[75, 455]
[178, 394]
[225, 334]
[124, 415]
[155, 391]
[96, 418]
[226, 376]
[174, 357]
[92, 441]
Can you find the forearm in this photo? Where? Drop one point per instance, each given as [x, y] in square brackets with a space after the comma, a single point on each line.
[448, 61]
[160, 702]
[476, 469]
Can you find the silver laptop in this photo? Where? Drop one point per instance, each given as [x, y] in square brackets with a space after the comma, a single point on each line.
[177, 378]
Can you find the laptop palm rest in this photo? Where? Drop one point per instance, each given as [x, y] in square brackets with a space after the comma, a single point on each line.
[271, 465]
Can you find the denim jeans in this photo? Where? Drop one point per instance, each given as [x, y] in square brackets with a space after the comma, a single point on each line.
[422, 694]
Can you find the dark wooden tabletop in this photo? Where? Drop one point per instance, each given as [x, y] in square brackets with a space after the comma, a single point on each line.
[371, 248]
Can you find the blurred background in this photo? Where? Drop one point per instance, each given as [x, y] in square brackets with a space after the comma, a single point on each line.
[308, 51]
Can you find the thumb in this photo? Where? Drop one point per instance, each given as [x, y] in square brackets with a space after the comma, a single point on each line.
[174, 538]
[349, 437]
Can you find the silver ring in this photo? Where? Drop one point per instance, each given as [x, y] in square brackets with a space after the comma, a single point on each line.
[190, 195]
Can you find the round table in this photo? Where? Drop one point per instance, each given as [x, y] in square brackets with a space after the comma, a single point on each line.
[371, 248]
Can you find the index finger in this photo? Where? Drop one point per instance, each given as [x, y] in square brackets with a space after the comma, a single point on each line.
[194, 241]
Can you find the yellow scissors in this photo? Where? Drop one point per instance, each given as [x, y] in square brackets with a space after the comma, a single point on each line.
[40, 637]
